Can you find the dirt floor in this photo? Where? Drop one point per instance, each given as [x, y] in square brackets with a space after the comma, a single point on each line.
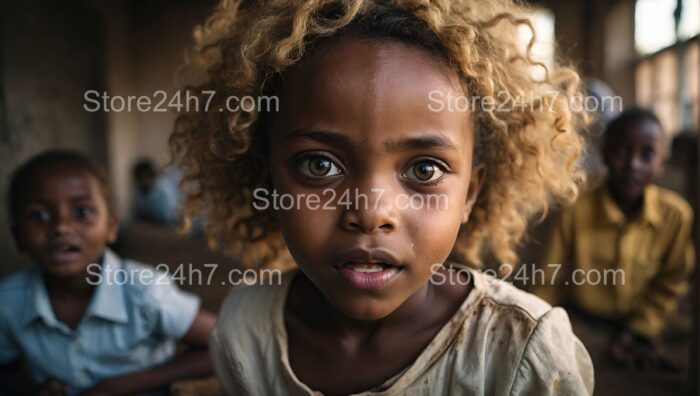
[156, 244]
[613, 380]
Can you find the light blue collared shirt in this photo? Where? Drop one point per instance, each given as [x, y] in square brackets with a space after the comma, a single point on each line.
[163, 202]
[132, 322]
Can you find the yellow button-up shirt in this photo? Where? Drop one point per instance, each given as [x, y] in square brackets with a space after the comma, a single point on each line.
[615, 268]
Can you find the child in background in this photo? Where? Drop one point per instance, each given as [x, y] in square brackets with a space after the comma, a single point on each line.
[386, 178]
[627, 224]
[158, 196]
[106, 328]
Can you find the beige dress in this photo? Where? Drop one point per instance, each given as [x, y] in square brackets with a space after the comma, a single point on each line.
[501, 341]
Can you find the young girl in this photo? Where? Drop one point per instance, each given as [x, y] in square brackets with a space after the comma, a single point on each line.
[85, 320]
[630, 227]
[370, 173]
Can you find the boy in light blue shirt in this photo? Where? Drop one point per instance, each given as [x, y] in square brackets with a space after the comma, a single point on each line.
[85, 320]
[157, 197]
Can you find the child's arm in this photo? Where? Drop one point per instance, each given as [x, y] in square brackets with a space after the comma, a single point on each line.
[547, 283]
[630, 350]
[193, 363]
[636, 345]
[15, 380]
[661, 297]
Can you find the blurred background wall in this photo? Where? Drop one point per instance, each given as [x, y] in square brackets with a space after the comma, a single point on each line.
[52, 52]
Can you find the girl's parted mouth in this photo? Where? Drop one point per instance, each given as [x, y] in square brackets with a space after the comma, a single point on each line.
[368, 275]
[64, 252]
[368, 268]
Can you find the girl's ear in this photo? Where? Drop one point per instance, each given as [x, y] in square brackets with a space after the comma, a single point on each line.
[476, 181]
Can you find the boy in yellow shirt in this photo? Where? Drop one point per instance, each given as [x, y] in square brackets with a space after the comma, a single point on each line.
[624, 247]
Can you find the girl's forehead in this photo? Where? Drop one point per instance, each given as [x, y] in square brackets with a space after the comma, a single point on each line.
[371, 61]
[642, 131]
[375, 87]
[62, 180]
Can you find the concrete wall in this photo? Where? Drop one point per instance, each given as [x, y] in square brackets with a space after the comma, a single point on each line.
[163, 33]
[46, 65]
[144, 46]
[52, 52]
[598, 37]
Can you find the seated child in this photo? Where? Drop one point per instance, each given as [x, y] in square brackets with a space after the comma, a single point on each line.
[379, 178]
[157, 195]
[83, 319]
[635, 235]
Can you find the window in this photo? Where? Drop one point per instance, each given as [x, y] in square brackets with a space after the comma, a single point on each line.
[655, 23]
[543, 49]
[666, 76]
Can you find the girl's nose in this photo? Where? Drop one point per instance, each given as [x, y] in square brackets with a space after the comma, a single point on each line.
[371, 213]
[635, 162]
[60, 225]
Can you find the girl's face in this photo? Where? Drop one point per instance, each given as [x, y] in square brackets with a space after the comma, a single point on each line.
[634, 157]
[378, 182]
[65, 221]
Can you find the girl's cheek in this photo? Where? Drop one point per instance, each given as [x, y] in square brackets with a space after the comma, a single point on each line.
[305, 222]
[34, 234]
[438, 220]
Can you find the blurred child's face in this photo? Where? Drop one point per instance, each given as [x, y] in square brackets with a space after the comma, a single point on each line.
[356, 127]
[64, 221]
[634, 157]
[145, 180]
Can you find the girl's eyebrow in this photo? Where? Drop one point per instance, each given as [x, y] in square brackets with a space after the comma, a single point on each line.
[34, 201]
[438, 140]
[47, 201]
[332, 138]
[82, 198]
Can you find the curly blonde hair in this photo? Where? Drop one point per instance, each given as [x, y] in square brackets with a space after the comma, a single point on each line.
[530, 151]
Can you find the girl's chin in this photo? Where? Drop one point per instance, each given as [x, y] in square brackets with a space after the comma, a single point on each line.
[64, 269]
[366, 311]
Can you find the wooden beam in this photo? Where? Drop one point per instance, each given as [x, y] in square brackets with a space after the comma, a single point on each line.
[4, 128]
[694, 195]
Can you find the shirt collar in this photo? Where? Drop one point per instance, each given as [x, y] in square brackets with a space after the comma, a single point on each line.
[107, 302]
[38, 304]
[650, 213]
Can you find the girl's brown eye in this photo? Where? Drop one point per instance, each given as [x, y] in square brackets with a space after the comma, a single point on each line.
[40, 216]
[83, 212]
[318, 166]
[424, 172]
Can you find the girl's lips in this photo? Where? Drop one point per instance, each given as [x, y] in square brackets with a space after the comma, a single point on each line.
[64, 253]
[368, 275]
[64, 257]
